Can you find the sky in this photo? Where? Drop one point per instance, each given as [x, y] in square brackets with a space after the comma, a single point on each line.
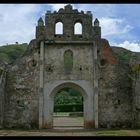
[120, 23]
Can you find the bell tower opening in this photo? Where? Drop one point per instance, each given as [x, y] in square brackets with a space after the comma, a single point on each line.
[59, 28]
[78, 28]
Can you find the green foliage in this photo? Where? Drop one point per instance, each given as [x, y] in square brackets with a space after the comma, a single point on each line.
[125, 56]
[4, 57]
[68, 108]
[73, 92]
[1, 71]
[70, 96]
[68, 100]
[10, 53]
[136, 70]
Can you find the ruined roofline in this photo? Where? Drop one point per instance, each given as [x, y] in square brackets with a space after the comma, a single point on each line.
[68, 9]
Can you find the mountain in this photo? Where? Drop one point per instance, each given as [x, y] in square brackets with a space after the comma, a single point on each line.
[126, 55]
[10, 53]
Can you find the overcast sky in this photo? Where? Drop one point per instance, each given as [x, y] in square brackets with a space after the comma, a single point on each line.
[120, 23]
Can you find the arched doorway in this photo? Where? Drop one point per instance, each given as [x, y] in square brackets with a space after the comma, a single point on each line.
[68, 109]
[47, 104]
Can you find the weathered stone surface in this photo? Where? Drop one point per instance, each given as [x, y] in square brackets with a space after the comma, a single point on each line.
[89, 124]
[108, 86]
[3, 72]
[115, 97]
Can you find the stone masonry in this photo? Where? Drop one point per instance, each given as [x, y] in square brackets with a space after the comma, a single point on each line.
[27, 91]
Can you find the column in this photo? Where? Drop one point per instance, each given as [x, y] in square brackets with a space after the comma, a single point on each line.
[95, 69]
[41, 83]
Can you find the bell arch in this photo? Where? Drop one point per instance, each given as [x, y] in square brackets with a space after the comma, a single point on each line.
[58, 28]
[78, 28]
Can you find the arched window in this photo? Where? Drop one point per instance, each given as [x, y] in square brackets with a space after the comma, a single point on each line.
[68, 60]
[59, 28]
[78, 28]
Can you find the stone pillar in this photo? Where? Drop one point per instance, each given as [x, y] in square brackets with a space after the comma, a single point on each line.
[95, 80]
[1, 105]
[2, 92]
[41, 83]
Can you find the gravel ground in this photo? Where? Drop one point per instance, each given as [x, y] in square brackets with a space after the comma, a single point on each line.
[68, 121]
[69, 126]
[44, 133]
[62, 126]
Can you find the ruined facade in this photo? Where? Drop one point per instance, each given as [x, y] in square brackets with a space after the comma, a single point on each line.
[27, 93]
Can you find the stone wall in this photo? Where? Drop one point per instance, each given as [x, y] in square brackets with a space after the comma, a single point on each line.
[55, 75]
[136, 101]
[26, 99]
[115, 93]
[2, 94]
[82, 62]
[21, 97]
[115, 97]
[68, 17]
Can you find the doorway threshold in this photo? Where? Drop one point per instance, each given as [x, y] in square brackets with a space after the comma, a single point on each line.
[68, 128]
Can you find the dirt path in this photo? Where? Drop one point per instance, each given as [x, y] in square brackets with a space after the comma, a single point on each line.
[76, 132]
[62, 126]
[68, 121]
[44, 133]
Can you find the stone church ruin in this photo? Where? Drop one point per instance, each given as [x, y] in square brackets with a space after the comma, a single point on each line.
[109, 88]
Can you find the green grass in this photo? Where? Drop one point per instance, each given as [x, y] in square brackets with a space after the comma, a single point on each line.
[67, 114]
[118, 133]
[80, 118]
[61, 114]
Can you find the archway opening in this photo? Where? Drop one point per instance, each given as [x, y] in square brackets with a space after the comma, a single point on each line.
[68, 108]
[59, 28]
[78, 28]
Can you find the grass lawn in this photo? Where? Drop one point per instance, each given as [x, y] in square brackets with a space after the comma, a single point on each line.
[118, 133]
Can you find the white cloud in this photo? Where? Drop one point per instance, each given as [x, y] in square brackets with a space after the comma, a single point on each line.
[56, 7]
[98, 10]
[114, 26]
[133, 46]
[17, 23]
[127, 28]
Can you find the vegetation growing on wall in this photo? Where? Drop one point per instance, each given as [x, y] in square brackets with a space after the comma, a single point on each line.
[136, 69]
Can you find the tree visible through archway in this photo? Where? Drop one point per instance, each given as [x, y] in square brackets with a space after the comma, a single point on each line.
[68, 108]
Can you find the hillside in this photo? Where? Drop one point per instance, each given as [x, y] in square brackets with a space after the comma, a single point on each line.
[9, 53]
[126, 55]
